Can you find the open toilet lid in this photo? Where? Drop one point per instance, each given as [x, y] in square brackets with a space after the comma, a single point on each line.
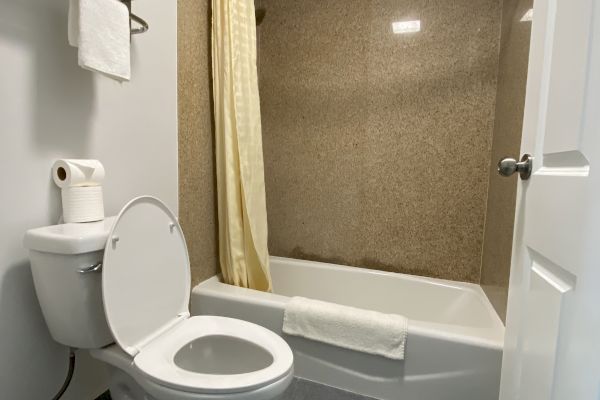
[145, 274]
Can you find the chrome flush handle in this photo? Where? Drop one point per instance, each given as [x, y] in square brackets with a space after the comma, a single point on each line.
[92, 268]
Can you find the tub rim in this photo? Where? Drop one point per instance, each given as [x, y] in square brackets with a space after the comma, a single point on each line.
[492, 338]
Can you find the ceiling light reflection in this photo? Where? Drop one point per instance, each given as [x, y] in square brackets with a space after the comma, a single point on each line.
[400, 27]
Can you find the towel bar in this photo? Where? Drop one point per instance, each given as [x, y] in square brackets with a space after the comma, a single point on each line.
[132, 17]
[143, 24]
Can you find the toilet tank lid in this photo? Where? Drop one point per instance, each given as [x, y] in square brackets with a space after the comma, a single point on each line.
[71, 238]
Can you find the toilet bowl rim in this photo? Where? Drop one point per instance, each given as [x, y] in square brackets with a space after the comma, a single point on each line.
[115, 357]
[159, 390]
[156, 361]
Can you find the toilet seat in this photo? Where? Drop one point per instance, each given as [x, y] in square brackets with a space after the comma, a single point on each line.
[146, 280]
[157, 360]
[146, 286]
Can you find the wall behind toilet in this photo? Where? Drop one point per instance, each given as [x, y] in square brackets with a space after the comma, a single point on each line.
[50, 108]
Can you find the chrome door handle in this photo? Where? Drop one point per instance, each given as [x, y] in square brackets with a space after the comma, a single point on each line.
[92, 268]
[508, 166]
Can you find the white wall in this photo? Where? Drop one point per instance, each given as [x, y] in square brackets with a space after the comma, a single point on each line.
[50, 108]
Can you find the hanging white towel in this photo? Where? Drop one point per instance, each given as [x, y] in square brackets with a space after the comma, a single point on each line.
[348, 327]
[100, 28]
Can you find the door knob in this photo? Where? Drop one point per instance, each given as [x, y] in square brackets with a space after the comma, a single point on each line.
[508, 166]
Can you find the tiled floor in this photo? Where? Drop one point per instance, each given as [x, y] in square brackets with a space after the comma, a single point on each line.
[104, 396]
[302, 389]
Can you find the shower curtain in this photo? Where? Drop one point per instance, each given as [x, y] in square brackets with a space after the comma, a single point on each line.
[242, 212]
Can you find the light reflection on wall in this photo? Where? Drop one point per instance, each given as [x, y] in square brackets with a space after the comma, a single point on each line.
[528, 16]
[400, 27]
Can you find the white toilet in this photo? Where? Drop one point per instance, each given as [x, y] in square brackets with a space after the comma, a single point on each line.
[126, 280]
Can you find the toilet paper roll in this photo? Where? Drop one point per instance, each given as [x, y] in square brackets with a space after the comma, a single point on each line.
[82, 204]
[69, 173]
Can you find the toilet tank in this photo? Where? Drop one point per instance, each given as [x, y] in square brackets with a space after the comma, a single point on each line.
[68, 287]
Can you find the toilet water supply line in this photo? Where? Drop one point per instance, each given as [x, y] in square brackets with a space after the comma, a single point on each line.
[67, 381]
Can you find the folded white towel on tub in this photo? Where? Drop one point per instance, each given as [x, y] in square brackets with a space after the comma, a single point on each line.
[348, 327]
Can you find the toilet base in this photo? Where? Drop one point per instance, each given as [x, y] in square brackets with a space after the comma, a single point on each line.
[124, 387]
[124, 383]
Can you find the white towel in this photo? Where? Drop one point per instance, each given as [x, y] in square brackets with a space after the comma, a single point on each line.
[348, 327]
[100, 28]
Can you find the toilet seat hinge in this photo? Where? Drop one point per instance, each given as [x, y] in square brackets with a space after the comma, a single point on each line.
[179, 318]
[183, 315]
[133, 351]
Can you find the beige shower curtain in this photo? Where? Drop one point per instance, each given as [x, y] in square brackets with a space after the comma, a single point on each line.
[240, 173]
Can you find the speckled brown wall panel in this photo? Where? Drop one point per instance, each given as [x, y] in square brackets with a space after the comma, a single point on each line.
[377, 146]
[197, 191]
[510, 103]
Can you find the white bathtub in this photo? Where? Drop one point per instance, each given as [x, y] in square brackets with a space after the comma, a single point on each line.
[454, 345]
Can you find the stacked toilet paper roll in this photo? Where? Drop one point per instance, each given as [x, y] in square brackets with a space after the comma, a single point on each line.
[80, 182]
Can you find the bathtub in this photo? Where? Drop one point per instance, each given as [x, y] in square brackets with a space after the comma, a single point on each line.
[454, 344]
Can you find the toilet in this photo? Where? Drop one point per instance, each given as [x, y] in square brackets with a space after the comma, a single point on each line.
[121, 288]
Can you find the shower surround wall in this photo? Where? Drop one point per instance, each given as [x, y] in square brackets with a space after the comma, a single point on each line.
[197, 185]
[510, 104]
[377, 145]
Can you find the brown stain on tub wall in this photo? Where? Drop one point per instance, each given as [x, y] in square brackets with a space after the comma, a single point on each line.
[376, 145]
[369, 263]
[300, 254]
[197, 190]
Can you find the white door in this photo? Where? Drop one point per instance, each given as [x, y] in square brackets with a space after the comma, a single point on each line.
[552, 345]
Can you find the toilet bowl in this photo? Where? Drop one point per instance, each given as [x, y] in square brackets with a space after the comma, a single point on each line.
[204, 357]
[154, 348]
